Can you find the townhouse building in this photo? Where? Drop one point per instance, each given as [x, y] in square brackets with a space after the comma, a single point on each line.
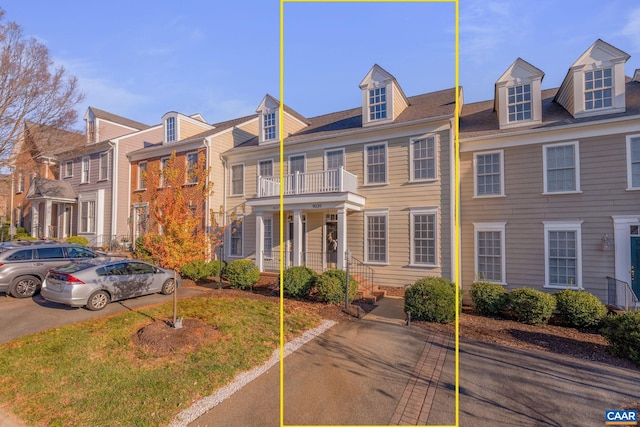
[374, 181]
[550, 180]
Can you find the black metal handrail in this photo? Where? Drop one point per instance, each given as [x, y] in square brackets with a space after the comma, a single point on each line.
[615, 287]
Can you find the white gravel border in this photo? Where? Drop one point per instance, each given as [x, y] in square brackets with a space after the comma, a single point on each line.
[203, 405]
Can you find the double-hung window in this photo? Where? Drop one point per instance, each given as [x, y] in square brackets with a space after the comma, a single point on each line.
[68, 169]
[268, 234]
[235, 237]
[269, 126]
[519, 103]
[561, 163]
[633, 162]
[88, 216]
[376, 238]
[423, 232]
[142, 169]
[265, 168]
[237, 180]
[489, 177]
[377, 103]
[164, 164]
[104, 166]
[423, 158]
[490, 251]
[375, 163]
[192, 163]
[563, 254]
[598, 89]
[84, 178]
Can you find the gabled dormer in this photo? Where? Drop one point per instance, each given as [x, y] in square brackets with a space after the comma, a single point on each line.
[177, 127]
[595, 83]
[382, 98]
[518, 95]
[102, 125]
[269, 120]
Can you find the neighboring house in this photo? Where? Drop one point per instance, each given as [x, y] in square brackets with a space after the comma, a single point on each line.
[550, 180]
[38, 199]
[192, 140]
[375, 180]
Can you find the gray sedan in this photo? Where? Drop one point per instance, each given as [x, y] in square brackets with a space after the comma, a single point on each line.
[94, 284]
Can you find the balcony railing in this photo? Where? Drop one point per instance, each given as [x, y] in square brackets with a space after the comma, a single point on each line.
[330, 181]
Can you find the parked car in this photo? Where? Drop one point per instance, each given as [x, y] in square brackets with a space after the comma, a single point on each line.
[24, 264]
[95, 284]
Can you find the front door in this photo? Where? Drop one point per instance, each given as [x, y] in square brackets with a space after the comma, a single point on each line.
[331, 244]
[289, 242]
[635, 264]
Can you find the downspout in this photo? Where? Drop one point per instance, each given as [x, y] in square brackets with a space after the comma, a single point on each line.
[114, 189]
[453, 208]
[224, 202]
[207, 204]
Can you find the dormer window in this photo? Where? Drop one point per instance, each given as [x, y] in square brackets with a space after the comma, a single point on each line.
[378, 103]
[598, 87]
[269, 126]
[170, 129]
[91, 130]
[519, 103]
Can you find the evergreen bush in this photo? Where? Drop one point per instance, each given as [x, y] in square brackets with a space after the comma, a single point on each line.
[489, 299]
[242, 273]
[330, 286]
[623, 334]
[531, 305]
[580, 309]
[432, 299]
[298, 281]
[199, 269]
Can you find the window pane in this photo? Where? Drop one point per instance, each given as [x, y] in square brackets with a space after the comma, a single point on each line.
[376, 164]
[489, 256]
[488, 174]
[377, 238]
[561, 172]
[562, 258]
[424, 239]
[424, 159]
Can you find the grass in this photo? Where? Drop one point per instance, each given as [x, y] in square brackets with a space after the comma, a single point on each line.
[90, 373]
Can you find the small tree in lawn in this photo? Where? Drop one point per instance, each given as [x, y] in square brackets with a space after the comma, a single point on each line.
[176, 194]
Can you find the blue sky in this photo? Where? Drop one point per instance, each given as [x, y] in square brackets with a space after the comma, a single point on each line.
[142, 59]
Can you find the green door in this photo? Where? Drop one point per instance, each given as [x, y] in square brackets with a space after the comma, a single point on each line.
[635, 264]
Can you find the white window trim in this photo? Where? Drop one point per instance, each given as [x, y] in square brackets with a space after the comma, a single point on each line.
[593, 90]
[332, 150]
[630, 186]
[241, 219]
[576, 153]
[563, 226]
[176, 131]
[304, 155]
[104, 154]
[66, 169]
[507, 104]
[140, 185]
[231, 193]
[87, 179]
[367, 214]
[491, 226]
[423, 211]
[475, 174]
[270, 160]
[366, 165]
[436, 145]
[389, 93]
[189, 181]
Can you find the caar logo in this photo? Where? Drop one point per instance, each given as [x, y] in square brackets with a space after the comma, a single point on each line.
[621, 417]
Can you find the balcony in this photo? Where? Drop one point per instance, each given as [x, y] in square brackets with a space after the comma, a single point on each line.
[331, 181]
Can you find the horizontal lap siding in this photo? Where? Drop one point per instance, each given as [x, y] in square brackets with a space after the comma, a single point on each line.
[602, 184]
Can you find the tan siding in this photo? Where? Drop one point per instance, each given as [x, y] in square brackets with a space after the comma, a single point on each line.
[188, 128]
[291, 125]
[525, 208]
[399, 103]
[108, 130]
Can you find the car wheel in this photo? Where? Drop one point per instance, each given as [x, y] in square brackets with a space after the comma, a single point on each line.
[98, 301]
[25, 286]
[168, 287]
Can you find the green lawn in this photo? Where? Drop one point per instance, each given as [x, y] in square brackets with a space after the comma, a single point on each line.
[91, 374]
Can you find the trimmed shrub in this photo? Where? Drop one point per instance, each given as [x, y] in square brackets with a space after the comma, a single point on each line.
[79, 240]
[242, 273]
[489, 299]
[298, 281]
[531, 305]
[580, 309]
[432, 299]
[199, 269]
[623, 334]
[330, 286]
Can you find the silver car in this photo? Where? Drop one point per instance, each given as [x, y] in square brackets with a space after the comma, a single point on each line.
[94, 284]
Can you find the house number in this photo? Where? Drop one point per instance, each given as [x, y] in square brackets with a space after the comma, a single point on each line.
[316, 205]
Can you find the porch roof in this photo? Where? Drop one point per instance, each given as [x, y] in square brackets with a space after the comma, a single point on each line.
[309, 202]
[51, 189]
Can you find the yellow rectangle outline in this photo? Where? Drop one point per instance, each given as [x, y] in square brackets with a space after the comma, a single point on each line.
[456, 263]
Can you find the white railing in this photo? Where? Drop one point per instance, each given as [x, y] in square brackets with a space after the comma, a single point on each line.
[331, 181]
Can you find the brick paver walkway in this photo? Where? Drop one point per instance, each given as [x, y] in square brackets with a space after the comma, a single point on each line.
[416, 401]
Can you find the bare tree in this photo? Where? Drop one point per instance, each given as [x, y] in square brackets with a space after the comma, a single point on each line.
[31, 89]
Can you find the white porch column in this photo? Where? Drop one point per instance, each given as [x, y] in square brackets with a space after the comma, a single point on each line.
[342, 237]
[259, 241]
[297, 238]
[35, 210]
[47, 218]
